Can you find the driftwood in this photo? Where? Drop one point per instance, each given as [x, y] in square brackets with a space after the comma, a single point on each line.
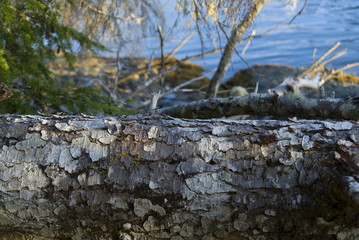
[314, 77]
[153, 177]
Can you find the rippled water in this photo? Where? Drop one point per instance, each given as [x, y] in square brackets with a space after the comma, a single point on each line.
[321, 25]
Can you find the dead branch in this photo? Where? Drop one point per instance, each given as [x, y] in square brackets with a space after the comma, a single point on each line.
[299, 13]
[105, 14]
[150, 66]
[310, 69]
[203, 54]
[100, 79]
[154, 101]
[339, 70]
[313, 77]
[269, 30]
[115, 81]
[294, 85]
[239, 42]
[234, 48]
[153, 78]
[165, 58]
[177, 88]
[249, 42]
[267, 105]
[336, 55]
[180, 45]
[162, 47]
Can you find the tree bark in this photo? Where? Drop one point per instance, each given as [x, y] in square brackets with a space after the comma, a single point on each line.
[153, 177]
[291, 105]
[230, 47]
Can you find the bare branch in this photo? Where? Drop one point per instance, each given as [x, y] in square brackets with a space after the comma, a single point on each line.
[162, 47]
[314, 53]
[310, 69]
[114, 90]
[101, 82]
[175, 89]
[306, 79]
[348, 66]
[105, 14]
[154, 101]
[144, 70]
[294, 85]
[181, 44]
[270, 29]
[299, 13]
[234, 48]
[153, 78]
[202, 54]
[339, 70]
[337, 55]
[248, 43]
[172, 52]
[178, 88]
[267, 105]
[239, 42]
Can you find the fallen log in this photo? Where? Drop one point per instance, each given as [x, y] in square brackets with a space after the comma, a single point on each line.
[153, 177]
[291, 105]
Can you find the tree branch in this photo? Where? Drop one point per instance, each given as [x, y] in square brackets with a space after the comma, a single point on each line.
[310, 69]
[153, 78]
[162, 47]
[177, 88]
[229, 49]
[267, 104]
[299, 13]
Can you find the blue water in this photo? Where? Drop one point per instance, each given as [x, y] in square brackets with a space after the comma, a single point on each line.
[320, 26]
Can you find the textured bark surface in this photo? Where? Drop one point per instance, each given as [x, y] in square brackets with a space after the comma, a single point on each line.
[153, 177]
[268, 105]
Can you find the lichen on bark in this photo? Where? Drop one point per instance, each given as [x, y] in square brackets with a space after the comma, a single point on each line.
[152, 176]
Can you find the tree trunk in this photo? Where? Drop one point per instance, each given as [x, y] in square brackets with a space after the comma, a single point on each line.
[153, 177]
[230, 46]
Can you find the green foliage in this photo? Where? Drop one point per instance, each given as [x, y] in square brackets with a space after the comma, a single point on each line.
[43, 97]
[31, 33]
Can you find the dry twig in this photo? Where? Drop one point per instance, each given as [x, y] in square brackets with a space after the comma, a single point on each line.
[153, 78]
[162, 47]
[178, 88]
[306, 79]
[310, 69]
[299, 13]
[180, 44]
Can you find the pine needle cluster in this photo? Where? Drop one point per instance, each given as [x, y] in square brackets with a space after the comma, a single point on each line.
[32, 32]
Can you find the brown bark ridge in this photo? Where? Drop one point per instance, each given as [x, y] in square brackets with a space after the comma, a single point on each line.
[157, 177]
[230, 46]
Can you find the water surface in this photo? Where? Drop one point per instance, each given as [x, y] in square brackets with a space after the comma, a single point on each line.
[320, 26]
